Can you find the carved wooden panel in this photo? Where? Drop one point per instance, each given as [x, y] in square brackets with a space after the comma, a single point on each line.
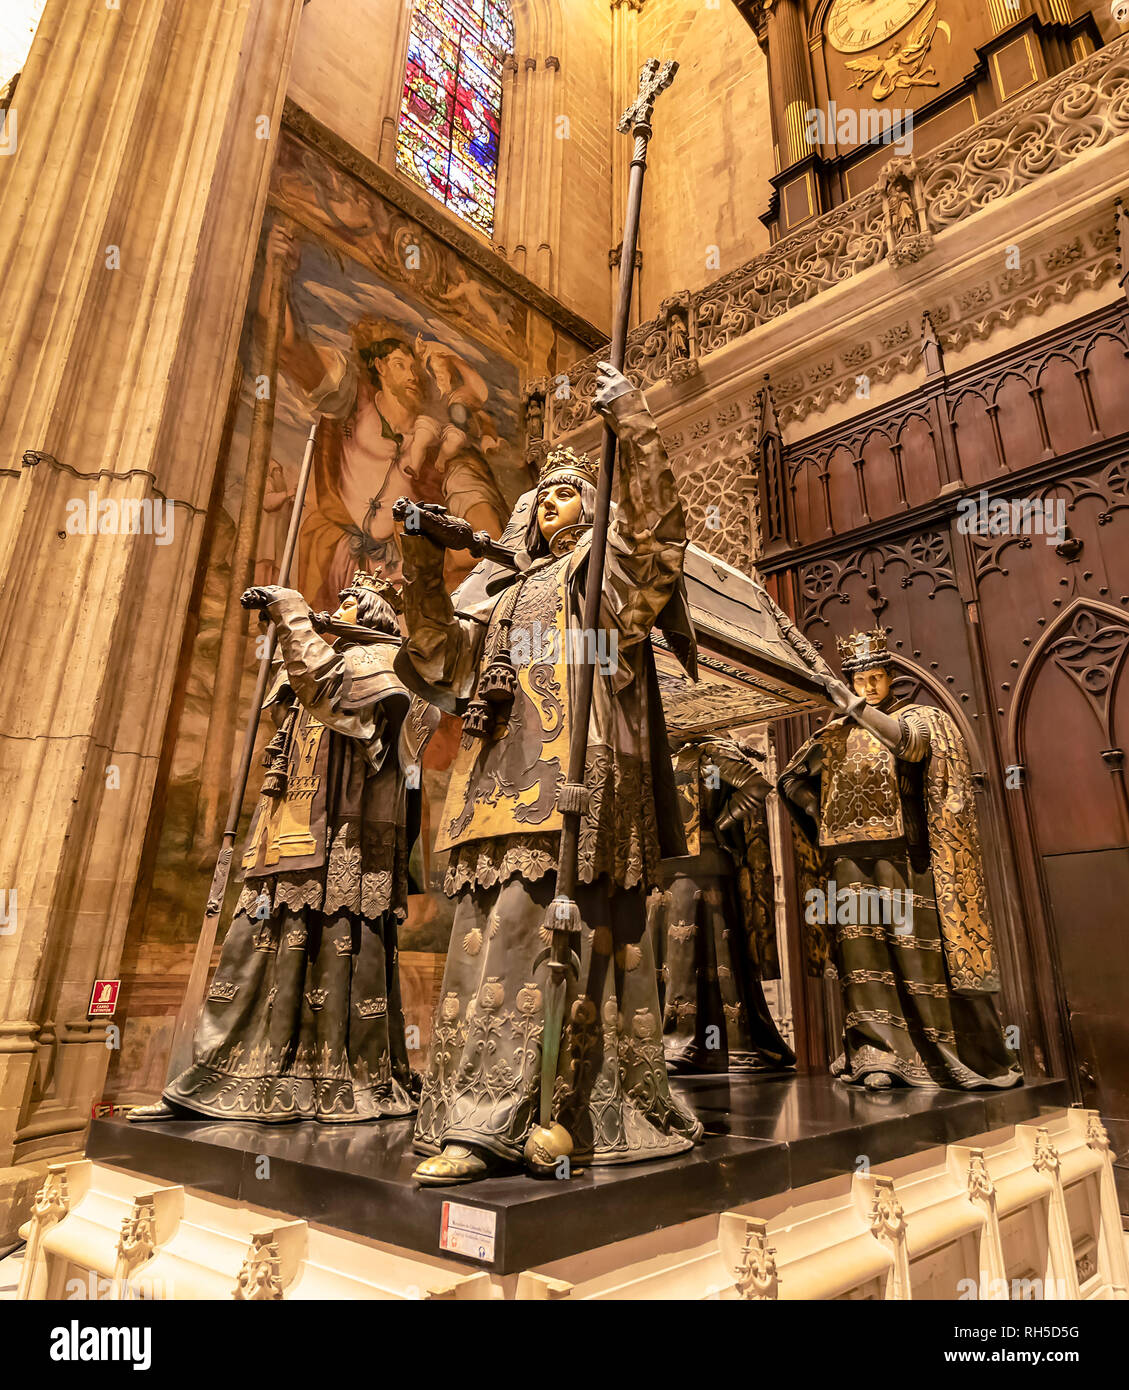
[1046, 399]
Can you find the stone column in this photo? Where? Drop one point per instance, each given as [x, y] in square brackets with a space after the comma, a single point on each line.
[390, 121]
[506, 193]
[791, 76]
[525, 186]
[129, 217]
[546, 275]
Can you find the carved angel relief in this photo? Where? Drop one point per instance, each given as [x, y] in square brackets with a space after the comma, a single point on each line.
[903, 64]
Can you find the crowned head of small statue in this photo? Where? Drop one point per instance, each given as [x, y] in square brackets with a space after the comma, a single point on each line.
[565, 504]
[867, 665]
[370, 601]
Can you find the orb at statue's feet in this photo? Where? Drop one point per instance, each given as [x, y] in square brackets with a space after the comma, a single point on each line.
[545, 1148]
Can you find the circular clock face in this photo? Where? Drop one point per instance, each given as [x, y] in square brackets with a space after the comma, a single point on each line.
[853, 25]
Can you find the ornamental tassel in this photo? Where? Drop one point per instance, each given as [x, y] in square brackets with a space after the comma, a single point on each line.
[488, 713]
[276, 756]
[478, 721]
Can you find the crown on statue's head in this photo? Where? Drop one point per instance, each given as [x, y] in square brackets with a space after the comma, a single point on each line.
[863, 650]
[565, 465]
[363, 582]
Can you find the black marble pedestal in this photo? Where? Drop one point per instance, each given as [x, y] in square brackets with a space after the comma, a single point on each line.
[764, 1135]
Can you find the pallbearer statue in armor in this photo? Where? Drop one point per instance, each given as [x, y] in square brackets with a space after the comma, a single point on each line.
[303, 1019]
[505, 655]
[885, 793]
[714, 929]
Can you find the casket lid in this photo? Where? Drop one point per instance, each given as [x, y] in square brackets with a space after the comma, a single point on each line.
[748, 671]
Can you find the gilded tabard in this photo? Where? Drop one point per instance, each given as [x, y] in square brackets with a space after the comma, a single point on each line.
[499, 786]
[859, 795]
[289, 831]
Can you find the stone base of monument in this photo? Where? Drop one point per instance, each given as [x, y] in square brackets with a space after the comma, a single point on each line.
[801, 1190]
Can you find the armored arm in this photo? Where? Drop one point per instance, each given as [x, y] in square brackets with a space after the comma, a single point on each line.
[737, 766]
[449, 532]
[437, 659]
[320, 676]
[647, 539]
[903, 738]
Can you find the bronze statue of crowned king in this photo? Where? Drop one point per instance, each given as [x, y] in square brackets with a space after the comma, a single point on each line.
[504, 652]
[884, 794]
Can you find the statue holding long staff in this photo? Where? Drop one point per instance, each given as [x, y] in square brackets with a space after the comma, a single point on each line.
[561, 805]
[303, 1019]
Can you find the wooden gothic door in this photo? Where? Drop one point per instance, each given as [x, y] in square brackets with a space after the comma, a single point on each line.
[1072, 705]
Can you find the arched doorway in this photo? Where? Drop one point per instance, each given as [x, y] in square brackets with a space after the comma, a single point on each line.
[1070, 723]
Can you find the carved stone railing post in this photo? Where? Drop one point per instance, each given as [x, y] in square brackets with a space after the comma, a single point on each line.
[982, 1195]
[888, 1226]
[272, 1263]
[757, 1278]
[136, 1243]
[259, 1279]
[52, 1202]
[1113, 1261]
[1060, 1247]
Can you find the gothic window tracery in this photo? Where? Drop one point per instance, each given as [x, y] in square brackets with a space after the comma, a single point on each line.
[452, 103]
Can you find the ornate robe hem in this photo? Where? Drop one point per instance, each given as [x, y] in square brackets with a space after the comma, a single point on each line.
[255, 1098]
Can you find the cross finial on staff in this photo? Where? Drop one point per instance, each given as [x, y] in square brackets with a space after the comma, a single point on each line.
[653, 79]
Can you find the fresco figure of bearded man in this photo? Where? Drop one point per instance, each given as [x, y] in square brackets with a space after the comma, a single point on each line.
[884, 793]
[303, 1019]
[714, 927]
[517, 632]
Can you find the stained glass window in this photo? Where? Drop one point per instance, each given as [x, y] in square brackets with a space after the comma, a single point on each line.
[449, 118]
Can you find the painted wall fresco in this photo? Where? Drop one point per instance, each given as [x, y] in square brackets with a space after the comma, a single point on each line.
[414, 359]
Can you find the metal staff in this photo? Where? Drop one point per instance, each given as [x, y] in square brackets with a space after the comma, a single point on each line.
[549, 1142]
[180, 1057]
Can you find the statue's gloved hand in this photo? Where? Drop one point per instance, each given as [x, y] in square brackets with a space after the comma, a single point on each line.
[610, 386]
[745, 801]
[261, 596]
[842, 696]
[419, 553]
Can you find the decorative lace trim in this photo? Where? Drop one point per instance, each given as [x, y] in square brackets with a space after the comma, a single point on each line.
[485, 863]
